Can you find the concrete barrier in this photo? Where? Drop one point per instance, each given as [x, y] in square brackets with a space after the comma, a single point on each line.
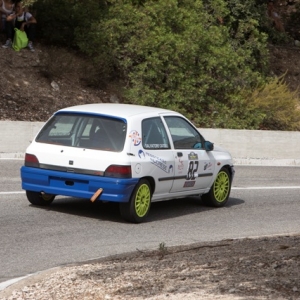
[255, 147]
[258, 147]
[15, 136]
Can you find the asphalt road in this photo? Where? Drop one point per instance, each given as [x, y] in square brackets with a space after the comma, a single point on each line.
[264, 201]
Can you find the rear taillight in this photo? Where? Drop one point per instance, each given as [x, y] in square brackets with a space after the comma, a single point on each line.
[118, 171]
[31, 161]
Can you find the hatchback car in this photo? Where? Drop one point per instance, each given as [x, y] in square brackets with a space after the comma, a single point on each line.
[130, 154]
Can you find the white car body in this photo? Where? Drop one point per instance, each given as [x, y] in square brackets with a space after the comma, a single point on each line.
[150, 142]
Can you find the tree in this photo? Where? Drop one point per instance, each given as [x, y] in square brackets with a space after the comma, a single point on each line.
[186, 55]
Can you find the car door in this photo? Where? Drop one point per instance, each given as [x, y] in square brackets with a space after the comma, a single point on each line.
[193, 165]
[152, 155]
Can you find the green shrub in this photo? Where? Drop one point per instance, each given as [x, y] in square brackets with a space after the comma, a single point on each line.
[59, 20]
[55, 23]
[271, 106]
[279, 106]
[178, 54]
[202, 58]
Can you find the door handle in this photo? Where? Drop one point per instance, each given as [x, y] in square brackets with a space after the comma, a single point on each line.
[179, 154]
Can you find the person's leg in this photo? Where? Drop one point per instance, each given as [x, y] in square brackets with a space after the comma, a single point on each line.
[9, 30]
[30, 31]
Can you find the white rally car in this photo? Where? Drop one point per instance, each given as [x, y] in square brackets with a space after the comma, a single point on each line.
[124, 153]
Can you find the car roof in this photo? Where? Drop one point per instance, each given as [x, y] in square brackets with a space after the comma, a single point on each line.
[115, 109]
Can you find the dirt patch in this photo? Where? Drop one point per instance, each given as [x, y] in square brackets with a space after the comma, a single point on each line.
[262, 268]
[285, 60]
[29, 94]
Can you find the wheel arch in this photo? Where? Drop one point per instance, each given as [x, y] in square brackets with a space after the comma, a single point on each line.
[151, 182]
[230, 169]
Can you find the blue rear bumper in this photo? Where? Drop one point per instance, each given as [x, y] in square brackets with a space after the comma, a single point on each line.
[77, 185]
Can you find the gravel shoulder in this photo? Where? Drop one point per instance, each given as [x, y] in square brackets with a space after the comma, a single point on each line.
[256, 268]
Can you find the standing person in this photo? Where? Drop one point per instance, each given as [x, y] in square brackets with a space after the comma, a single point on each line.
[6, 8]
[22, 20]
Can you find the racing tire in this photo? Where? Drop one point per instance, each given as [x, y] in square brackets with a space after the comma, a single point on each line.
[219, 192]
[39, 199]
[137, 209]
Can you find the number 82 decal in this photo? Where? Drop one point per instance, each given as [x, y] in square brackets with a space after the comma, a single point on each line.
[192, 170]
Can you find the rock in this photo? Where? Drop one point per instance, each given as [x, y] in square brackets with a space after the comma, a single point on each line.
[297, 43]
[55, 86]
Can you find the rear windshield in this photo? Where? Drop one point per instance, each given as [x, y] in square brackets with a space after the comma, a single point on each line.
[84, 131]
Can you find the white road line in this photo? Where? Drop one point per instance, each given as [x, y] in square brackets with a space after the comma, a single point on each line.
[11, 158]
[265, 187]
[11, 193]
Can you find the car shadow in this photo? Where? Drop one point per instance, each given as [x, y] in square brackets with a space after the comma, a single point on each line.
[84, 208]
[186, 206]
[110, 211]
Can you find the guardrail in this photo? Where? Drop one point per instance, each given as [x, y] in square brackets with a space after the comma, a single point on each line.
[247, 147]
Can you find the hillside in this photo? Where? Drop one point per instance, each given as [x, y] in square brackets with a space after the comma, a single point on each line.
[28, 94]
[34, 85]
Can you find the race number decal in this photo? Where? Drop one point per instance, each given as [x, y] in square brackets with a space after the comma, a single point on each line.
[192, 170]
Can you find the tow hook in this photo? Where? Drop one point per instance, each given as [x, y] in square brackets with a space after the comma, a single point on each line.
[97, 194]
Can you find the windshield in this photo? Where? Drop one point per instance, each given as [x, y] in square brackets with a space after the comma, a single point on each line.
[84, 131]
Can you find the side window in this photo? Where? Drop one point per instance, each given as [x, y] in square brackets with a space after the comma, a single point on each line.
[154, 135]
[184, 135]
[105, 134]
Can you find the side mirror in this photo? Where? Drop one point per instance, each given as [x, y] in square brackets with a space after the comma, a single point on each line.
[208, 146]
